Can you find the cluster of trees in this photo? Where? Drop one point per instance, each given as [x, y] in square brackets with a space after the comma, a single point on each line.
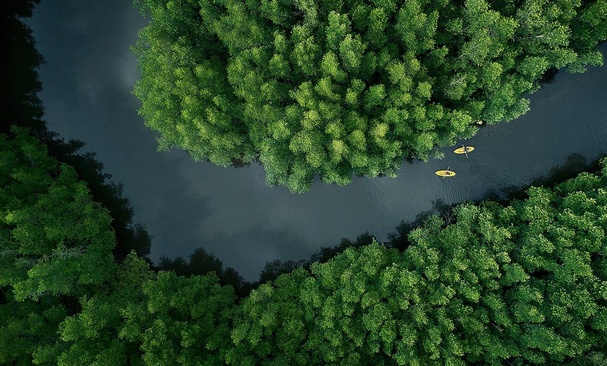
[200, 262]
[522, 283]
[273, 269]
[518, 283]
[67, 299]
[20, 106]
[56, 246]
[341, 88]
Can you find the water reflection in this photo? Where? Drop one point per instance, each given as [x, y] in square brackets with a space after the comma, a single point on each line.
[230, 212]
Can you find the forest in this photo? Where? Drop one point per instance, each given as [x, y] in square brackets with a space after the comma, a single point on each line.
[489, 283]
[517, 283]
[334, 89]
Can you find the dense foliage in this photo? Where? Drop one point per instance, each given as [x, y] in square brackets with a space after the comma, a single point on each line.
[200, 263]
[524, 283]
[55, 245]
[55, 239]
[335, 88]
[64, 297]
[521, 284]
[20, 106]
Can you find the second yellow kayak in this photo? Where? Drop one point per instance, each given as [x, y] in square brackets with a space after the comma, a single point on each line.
[464, 149]
[445, 173]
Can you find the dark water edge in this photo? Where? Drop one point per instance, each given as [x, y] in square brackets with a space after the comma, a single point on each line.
[22, 109]
[200, 262]
[231, 213]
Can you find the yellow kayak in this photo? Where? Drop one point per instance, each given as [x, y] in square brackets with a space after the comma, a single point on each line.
[445, 173]
[464, 149]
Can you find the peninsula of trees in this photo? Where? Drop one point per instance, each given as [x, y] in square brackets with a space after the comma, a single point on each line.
[338, 88]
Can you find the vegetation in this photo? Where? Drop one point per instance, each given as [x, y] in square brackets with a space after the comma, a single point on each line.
[521, 284]
[342, 88]
[21, 106]
[518, 283]
[524, 283]
[56, 246]
[200, 263]
[64, 298]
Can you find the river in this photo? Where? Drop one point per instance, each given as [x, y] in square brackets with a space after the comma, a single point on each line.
[87, 83]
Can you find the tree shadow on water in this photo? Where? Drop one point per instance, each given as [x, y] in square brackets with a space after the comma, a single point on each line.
[20, 106]
[574, 165]
[200, 263]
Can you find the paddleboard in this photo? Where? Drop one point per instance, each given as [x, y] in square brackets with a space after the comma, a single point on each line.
[445, 173]
[462, 150]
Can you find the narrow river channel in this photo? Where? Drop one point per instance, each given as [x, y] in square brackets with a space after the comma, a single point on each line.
[230, 212]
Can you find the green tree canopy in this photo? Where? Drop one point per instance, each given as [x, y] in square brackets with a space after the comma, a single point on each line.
[522, 283]
[518, 284]
[55, 239]
[55, 247]
[342, 88]
[63, 298]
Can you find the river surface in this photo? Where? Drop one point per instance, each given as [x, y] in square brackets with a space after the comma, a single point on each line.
[230, 212]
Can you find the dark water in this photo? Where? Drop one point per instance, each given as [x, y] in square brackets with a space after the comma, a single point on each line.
[87, 83]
